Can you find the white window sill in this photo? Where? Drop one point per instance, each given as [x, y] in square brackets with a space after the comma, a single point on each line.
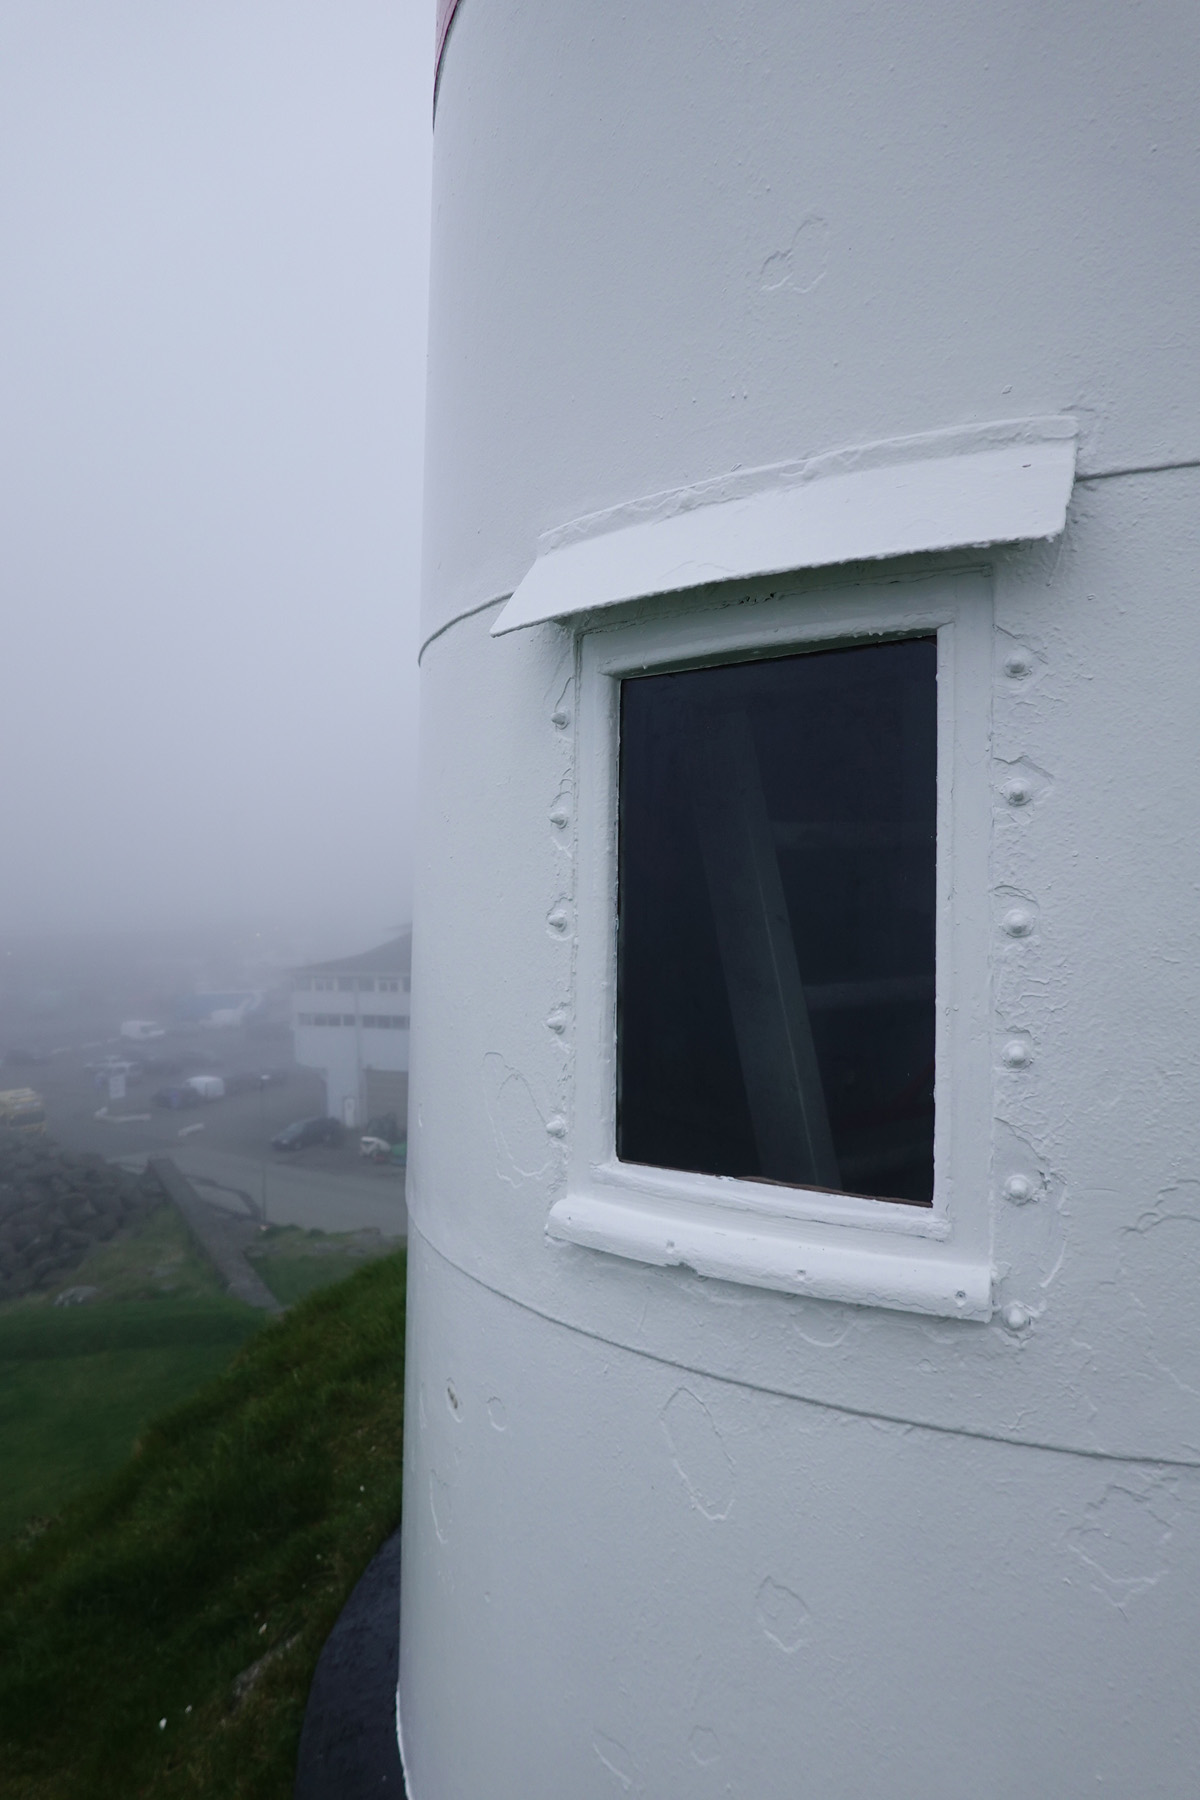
[725, 1243]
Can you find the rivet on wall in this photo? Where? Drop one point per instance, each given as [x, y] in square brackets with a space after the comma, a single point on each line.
[1021, 783]
[1016, 1054]
[1018, 921]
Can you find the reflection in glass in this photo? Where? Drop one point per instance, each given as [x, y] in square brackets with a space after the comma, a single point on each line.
[776, 920]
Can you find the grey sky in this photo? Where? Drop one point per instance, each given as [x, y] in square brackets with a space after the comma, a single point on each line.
[212, 315]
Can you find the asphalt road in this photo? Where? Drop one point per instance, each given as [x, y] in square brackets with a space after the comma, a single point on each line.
[224, 1146]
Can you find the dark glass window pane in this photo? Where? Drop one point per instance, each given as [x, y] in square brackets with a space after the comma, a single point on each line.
[776, 948]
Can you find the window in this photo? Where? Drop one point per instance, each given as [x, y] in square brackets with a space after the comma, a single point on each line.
[346, 984]
[781, 985]
[777, 886]
[365, 985]
[323, 984]
[386, 1021]
[389, 987]
[304, 1018]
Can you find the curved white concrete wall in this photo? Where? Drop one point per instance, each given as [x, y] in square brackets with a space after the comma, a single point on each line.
[668, 1535]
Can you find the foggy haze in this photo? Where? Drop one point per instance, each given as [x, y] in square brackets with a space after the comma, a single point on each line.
[212, 320]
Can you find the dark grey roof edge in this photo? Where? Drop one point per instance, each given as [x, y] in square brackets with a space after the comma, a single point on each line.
[388, 959]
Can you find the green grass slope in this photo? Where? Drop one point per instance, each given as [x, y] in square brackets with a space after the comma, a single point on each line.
[159, 1638]
[79, 1384]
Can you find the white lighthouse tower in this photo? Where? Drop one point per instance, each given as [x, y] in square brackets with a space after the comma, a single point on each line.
[805, 1121]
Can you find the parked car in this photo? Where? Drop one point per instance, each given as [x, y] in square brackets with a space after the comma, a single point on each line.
[251, 1081]
[21, 1109]
[378, 1150]
[208, 1087]
[303, 1133]
[176, 1097]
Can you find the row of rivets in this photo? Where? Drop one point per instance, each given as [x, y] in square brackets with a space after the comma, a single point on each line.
[1019, 921]
[558, 920]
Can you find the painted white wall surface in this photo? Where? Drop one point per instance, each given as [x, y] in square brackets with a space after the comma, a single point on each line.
[675, 241]
[681, 1536]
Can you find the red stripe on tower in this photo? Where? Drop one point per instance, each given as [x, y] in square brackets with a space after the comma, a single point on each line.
[445, 18]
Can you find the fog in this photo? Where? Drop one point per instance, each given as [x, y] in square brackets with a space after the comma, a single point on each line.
[212, 319]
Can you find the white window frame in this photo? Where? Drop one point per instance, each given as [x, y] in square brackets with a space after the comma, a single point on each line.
[800, 1240]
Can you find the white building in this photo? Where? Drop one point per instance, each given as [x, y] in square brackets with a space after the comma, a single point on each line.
[350, 1019]
[804, 1185]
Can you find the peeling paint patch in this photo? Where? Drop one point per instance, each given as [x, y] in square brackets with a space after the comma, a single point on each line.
[518, 1125]
[823, 1323]
[699, 1454]
[497, 1415]
[705, 1746]
[1124, 1536]
[440, 1505]
[1159, 1257]
[616, 1760]
[803, 264]
[782, 1615]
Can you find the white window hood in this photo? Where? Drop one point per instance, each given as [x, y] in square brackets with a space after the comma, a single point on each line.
[944, 490]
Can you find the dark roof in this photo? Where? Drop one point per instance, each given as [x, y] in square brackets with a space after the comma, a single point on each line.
[392, 958]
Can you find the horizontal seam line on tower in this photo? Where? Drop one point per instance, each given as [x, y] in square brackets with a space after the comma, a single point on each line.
[854, 1412]
[496, 600]
[1163, 468]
